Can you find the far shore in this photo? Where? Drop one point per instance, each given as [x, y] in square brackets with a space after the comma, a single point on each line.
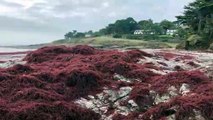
[18, 47]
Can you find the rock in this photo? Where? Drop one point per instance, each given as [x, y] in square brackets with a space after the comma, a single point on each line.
[197, 116]
[172, 92]
[108, 99]
[184, 89]
[121, 78]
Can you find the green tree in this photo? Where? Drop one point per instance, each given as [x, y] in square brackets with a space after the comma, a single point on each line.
[69, 35]
[102, 31]
[157, 29]
[166, 25]
[146, 24]
[198, 16]
[182, 33]
[79, 35]
[124, 26]
[90, 32]
[74, 34]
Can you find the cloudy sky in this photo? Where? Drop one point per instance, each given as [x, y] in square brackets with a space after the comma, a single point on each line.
[39, 21]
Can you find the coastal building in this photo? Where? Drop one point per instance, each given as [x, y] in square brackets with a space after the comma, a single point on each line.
[88, 35]
[143, 32]
[171, 32]
[138, 32]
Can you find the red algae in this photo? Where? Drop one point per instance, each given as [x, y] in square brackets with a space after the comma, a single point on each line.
[45, 76]
[5, 76]
[177, 57]
[3, 62]
[83, 49]
[46, 53]
[142, 74]
[46, 111]
[47, 86]
[119, 117]
[82, 79]
[183, 108]
[19, 69]
[35, 94]
[50, 53]
[193, 64]
[59, 73]
[193, 78]
[138, 53]
[141, 95]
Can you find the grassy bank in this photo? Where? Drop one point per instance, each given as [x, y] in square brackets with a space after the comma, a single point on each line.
[113, 42]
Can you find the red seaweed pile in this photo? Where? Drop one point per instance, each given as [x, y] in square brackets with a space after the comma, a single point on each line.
[54, 78]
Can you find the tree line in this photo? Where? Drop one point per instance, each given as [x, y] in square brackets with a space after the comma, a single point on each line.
[198, 17]
[127, 26]
[76, 34]
[195, 26]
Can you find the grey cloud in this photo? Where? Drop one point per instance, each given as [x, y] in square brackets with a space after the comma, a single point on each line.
[10, 4]
[53, 18]
[13, 24]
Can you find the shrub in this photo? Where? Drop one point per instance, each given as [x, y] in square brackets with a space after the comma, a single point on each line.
[117, 36]
[142, 37]
[181, 45]
[194, 42]
[211, 47]
[194, 39]
[137, 37]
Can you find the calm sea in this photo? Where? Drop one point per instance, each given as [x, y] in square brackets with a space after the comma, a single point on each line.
[6, 50]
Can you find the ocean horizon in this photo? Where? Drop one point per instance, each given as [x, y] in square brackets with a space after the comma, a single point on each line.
[9, 50]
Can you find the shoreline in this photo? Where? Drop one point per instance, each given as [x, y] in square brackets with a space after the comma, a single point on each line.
[101, 79]
[12, 57]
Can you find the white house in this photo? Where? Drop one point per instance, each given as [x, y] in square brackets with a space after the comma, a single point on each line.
[88, 35]
[171, 32]
[143, 32]
[138, 32]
